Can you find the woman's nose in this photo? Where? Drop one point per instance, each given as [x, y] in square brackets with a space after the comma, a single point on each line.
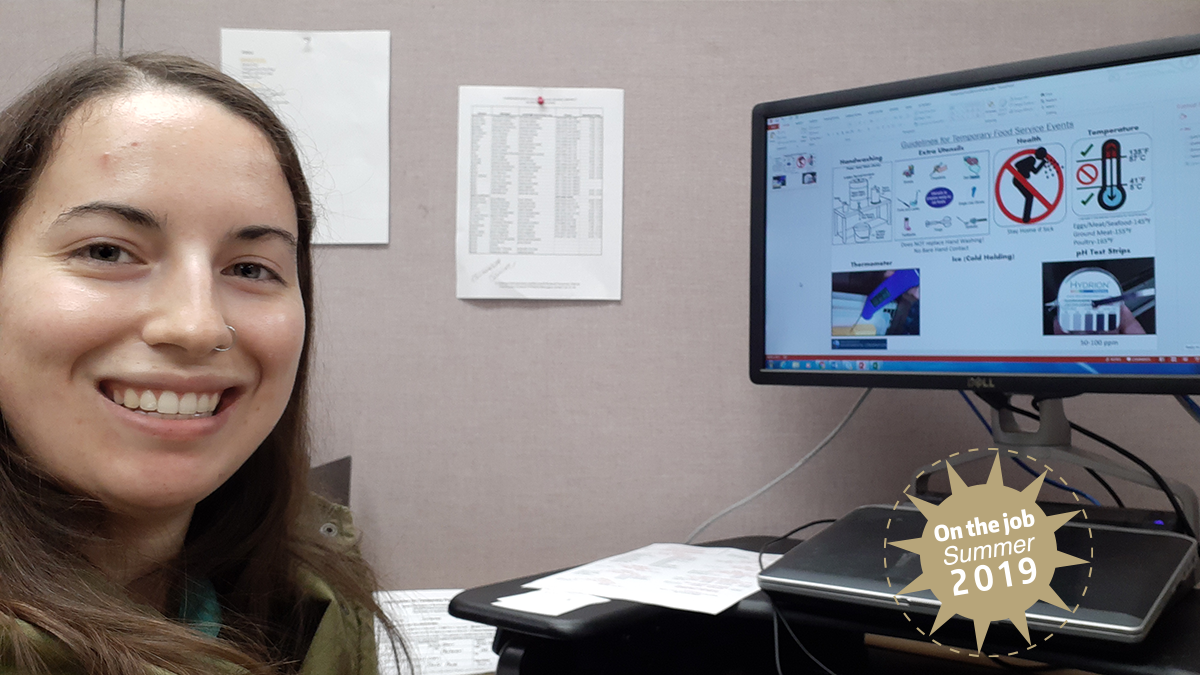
[186, 314]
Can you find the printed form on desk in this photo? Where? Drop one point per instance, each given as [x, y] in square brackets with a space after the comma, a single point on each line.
[440, 644]
[693, 578]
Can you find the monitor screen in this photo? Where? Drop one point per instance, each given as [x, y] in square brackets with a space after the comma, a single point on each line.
[1033, 227]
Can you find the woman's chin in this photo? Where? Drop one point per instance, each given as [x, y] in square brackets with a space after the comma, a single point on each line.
[149, 505]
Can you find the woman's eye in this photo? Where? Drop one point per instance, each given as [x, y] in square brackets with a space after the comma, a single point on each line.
[108, 253]
[252, 271]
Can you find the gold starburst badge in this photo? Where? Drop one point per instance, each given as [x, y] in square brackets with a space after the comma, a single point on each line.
[988, 552]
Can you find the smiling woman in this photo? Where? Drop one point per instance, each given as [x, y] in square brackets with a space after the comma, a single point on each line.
[155, 321]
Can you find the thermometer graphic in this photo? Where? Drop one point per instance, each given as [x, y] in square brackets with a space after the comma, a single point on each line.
[1112, 192]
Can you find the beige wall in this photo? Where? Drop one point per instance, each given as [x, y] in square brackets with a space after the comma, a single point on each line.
[493, 439]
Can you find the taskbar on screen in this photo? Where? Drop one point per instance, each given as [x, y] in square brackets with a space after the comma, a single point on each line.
[1081, 365]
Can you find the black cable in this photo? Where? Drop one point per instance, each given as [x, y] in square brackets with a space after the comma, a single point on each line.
[805, 526]
[1107, 488]
[1103, 483]
[1001, 401]
[1162, 484]
[1036, 403]
[1049, 481]
[775, 631]
[776, 619]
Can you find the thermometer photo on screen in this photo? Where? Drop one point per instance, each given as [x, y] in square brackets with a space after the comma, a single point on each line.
[889, 291]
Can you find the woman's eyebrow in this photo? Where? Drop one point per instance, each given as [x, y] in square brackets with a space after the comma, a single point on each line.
[254, 232]
[144, 218]
[131, 214]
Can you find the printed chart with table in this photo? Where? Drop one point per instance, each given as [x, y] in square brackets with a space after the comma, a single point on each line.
[517, 153]
[540, 179]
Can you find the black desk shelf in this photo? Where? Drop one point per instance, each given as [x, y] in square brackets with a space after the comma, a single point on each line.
[629, 638]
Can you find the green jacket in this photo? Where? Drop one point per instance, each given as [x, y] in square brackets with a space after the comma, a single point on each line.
[345, 638]
[344, 643]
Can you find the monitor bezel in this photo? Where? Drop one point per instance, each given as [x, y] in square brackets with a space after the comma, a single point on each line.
[1038, 384]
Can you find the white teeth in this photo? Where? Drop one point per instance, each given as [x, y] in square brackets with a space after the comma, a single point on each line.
[168, 404]
[187, 404]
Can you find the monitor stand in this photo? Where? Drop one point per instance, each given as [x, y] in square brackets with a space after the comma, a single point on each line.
[1051, 444]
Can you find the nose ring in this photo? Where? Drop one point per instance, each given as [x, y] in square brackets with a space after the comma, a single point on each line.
[232, 340]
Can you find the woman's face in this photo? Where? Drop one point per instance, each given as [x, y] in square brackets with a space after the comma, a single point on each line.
[160, 218]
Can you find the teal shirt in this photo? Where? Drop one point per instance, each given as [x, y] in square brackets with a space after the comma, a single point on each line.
[200, 607]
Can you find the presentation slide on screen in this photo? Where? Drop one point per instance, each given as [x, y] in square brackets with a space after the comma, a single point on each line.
[1045, 218]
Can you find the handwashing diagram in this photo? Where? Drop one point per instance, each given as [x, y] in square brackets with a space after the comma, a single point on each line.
[912, 198]
[862, 206]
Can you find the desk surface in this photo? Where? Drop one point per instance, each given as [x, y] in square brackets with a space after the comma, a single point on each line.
[834, 631]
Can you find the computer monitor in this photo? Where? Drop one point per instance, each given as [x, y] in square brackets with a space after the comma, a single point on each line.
[1025, 228]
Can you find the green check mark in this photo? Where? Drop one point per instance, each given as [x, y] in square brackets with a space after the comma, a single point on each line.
[1089, 198]
[1089, 149]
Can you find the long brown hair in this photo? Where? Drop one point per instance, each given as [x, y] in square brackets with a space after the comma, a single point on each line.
[248, 537]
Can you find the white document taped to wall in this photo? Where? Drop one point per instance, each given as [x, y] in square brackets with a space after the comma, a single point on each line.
[438, 643]
[540, 174]
[331, 89]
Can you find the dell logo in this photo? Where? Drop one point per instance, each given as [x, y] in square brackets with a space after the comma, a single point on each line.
[980, 383]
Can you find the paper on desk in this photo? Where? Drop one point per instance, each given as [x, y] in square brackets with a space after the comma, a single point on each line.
[548, 602]
[440, 644]
[694, 578]
[331, 90]
[540, 175]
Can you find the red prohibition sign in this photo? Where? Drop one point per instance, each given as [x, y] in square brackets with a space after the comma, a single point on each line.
[1009, 169]
[1087, 174]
